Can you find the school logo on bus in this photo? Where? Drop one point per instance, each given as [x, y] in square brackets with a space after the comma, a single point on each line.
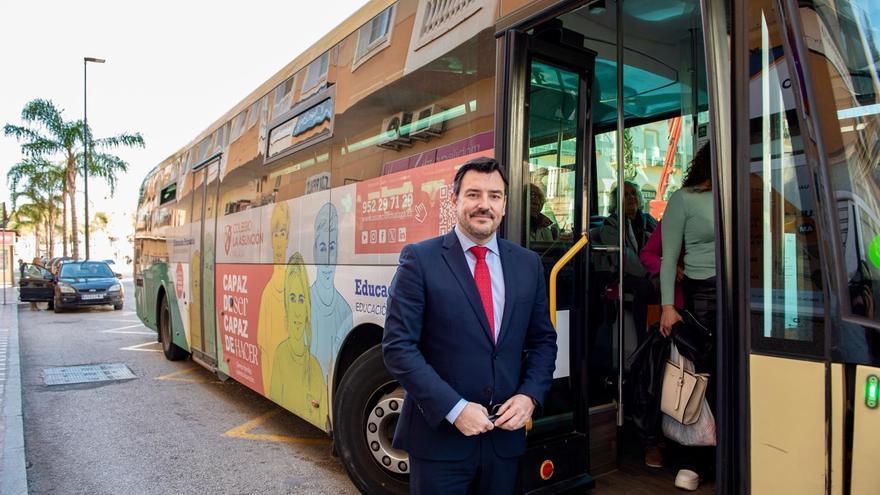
[241, 234]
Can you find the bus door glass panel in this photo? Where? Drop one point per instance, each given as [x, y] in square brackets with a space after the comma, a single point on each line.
[209, 221]
[843, 41]
[194, 306]
[552, 149]
[785, 286]
[551, 191]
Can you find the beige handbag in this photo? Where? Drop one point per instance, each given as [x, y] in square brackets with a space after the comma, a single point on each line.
[683, 392]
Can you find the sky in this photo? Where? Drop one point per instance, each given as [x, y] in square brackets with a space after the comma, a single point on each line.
[172, 68]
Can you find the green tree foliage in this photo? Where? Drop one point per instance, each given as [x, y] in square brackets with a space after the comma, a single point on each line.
[629, 167]
[45, 135]
[39, 183]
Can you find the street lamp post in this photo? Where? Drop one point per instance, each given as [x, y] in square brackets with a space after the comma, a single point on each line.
[87, 142]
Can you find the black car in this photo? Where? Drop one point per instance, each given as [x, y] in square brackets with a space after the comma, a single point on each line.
[36, 284]
[87, 283]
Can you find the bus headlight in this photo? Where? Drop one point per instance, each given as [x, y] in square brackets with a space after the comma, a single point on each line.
[66, 289]
[115, 288]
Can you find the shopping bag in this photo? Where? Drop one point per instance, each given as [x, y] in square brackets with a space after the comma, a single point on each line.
[698, 434]
[683, 390]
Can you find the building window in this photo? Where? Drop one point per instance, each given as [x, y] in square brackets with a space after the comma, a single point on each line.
[220, 136]
[204, 148]
[169, 193]
[253, 114]
[238, 125]
[316, 75]
[373, 36]
[308, 126]
[281, 99]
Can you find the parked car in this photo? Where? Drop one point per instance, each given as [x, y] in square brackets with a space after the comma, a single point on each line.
[36, 284]
[87, 283]
[55, 263]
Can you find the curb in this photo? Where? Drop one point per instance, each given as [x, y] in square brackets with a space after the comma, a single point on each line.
[13, 470]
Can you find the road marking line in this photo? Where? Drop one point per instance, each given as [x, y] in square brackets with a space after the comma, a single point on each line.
[244, 431]
[174, 377]
[113, 319]
[117, 330]
[138, 347]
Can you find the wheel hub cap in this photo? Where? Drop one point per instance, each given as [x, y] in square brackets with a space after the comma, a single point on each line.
[380, 431]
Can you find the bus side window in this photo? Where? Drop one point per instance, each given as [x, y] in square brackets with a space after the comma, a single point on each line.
[787, 298]
[843, 66]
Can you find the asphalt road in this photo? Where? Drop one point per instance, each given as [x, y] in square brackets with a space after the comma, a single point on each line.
[173, 429]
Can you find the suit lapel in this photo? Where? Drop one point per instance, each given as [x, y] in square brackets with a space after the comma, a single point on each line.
[454, 258]
[508, 269]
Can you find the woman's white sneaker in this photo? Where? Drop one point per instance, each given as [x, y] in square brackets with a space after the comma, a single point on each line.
[687, 480]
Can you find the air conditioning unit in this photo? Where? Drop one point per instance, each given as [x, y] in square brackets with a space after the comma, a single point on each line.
[427, 123]
[391, 137]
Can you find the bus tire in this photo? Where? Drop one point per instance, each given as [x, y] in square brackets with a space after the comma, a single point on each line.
[363, 439]
[169, 348]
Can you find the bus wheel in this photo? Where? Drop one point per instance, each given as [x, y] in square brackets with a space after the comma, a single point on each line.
[172, 352]
[366, 408]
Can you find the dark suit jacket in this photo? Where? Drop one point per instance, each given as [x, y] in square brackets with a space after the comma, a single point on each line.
[438, 346]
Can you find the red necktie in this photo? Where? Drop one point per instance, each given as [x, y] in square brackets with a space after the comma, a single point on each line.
[484, 285]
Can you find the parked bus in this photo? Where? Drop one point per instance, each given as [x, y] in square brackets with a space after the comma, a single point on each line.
[265, 247]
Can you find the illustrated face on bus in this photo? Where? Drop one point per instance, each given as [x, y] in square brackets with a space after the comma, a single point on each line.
[278, 225]
[296, 303]
[480, 204]
[326, 234]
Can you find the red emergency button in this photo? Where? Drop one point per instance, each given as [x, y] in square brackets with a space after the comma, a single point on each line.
[547, 470]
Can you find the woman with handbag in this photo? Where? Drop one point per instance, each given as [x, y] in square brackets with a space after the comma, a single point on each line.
[689, 228]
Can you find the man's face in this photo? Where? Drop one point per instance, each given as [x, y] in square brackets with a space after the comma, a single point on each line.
[479, 205]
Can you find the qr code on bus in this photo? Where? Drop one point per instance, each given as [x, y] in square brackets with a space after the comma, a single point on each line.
[447, 212]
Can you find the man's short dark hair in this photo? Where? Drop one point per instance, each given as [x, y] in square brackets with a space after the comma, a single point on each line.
[484, 165]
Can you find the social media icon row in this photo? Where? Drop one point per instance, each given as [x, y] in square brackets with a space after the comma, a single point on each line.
[383, 236]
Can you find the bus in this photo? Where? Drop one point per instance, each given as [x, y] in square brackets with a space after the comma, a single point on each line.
[265, 246]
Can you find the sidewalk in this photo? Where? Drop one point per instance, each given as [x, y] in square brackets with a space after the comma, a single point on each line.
[13, 477]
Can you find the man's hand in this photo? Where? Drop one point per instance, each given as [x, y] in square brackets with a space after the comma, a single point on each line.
[515, 413]
[473, 420]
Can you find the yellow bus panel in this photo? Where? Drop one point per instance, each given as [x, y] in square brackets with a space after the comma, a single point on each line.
[787, 425]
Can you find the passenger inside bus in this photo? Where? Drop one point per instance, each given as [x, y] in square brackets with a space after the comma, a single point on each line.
[639, 291]
[689, 229]
[541, 227]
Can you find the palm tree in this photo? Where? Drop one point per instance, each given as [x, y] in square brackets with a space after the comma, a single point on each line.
[28, 218]
[43, 185]
[46, 134]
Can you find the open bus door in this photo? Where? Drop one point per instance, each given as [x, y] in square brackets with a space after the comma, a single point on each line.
[545, 141]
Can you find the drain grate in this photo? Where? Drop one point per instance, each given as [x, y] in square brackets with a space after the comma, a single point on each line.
[88, 373]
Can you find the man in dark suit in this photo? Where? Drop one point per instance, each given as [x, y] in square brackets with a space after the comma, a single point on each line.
[468, 334]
